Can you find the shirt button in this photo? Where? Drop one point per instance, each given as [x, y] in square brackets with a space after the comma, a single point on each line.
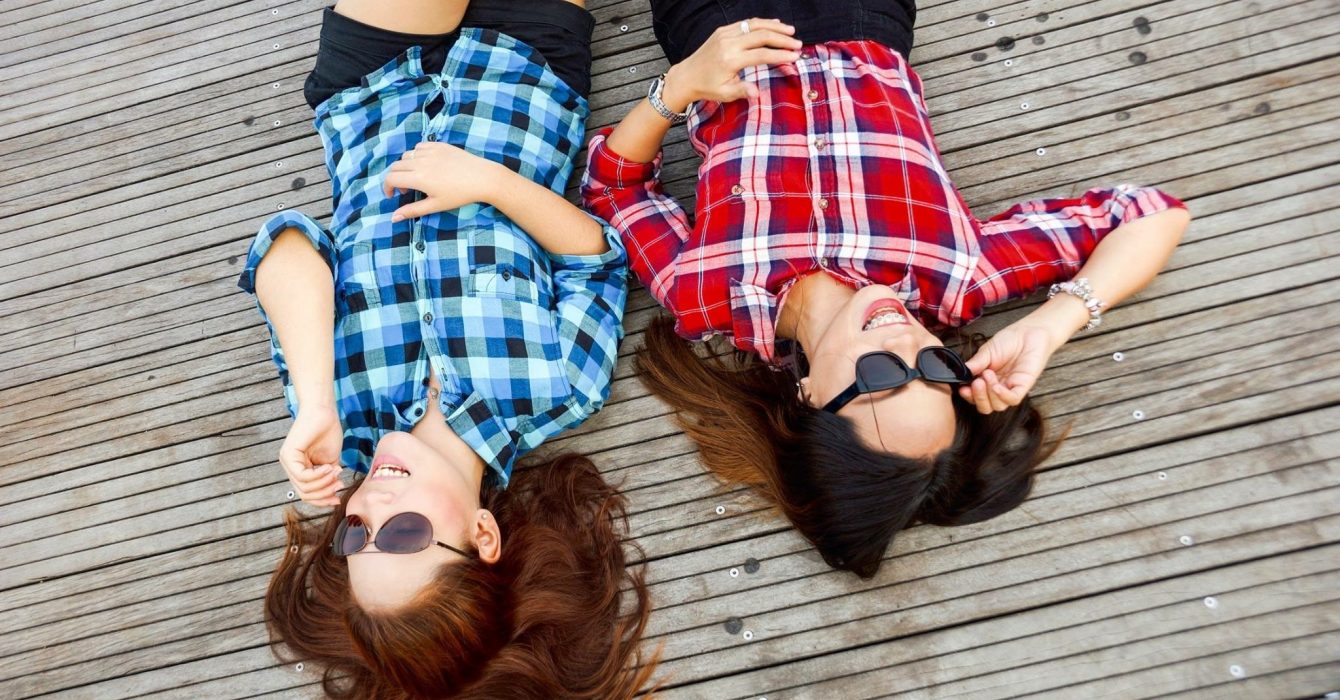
[813, 95]
[428, 317]
[823, 204]
[507, 275]
[419, 246]
[824, 263]
[819, 144]
[737, 190]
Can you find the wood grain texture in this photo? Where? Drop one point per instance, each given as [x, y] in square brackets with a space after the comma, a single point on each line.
[139, 413]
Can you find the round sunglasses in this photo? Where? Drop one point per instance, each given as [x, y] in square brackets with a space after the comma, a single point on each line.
[402, 533]
[881, 370]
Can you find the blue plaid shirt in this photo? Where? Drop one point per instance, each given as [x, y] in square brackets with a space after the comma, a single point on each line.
[522, 342]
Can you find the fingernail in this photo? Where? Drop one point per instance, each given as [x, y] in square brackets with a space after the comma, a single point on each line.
[396, 218]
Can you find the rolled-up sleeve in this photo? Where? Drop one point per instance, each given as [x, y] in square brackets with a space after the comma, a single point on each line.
[590, 292]
[1040, 242]
[320, 239]
[628, 195]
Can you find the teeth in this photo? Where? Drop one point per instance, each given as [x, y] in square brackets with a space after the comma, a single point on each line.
[390, 471]
[885, 318]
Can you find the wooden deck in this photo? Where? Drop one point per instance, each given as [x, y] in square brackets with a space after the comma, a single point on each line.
[1185, 540]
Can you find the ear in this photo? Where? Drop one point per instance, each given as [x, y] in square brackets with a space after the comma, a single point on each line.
[486, 537]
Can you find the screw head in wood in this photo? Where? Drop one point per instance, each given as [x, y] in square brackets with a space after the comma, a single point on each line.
[279, 164]
[1163, 476]
[1138, 414]
[1211, 602]
[623, 27]
[1236, 671]
[277, 122]
[290, 495]
[991, 23]
[299, 666]
[721, 510]
[748, 635]
[1023, 105]
[1186, 540]
[632, 69]
[1041, 151]
[734, 573]
[276, 46]
[1009, 62]
[274, 12]
[1118, 357]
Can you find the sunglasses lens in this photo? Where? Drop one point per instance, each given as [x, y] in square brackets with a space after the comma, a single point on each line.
[943, 365]
[881, 371]
[405, 533]
[350, 536]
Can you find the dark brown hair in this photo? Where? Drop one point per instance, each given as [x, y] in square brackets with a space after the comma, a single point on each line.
[545, 621]
[751, 427]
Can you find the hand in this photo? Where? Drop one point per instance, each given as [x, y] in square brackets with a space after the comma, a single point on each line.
[713, 71]
[310, 456]
[448, 176]
[1008, 366]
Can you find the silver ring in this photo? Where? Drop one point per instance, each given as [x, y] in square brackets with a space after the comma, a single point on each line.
[744, 26]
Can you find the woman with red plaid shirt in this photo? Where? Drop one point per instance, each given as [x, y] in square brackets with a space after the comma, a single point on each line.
[828, 231]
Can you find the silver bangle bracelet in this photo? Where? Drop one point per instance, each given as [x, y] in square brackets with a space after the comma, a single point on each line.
[1080, 287]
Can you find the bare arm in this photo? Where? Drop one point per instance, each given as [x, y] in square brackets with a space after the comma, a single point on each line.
[1123, 263]
[294, 287]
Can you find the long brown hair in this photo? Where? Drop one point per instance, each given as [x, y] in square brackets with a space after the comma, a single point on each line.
[751, 427]
[545, 621]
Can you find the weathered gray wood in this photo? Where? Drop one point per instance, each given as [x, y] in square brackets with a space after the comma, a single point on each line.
[1043, 633]
[125, 212]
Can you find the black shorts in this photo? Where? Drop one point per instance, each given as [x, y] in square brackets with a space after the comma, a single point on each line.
[349, 50]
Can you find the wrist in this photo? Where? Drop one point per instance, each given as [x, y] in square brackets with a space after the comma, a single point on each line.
[1061, 317]
[315, 399]
[674, 93]
[493, 182]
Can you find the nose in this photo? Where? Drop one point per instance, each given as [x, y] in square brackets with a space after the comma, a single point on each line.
[904, 346]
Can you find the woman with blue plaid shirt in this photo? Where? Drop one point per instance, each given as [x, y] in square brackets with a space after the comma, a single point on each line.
[456, 312]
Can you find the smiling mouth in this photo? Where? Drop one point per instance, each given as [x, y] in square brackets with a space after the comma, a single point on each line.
[387, 470]
[889, 313]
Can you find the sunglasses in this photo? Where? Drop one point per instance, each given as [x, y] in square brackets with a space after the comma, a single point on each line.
[879, 371]
[402, 533]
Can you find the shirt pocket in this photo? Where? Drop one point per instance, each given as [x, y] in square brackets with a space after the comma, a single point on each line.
[359, 289]
[503, 282]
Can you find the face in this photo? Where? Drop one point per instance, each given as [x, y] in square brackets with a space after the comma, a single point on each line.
[409, 475]
[914, 420]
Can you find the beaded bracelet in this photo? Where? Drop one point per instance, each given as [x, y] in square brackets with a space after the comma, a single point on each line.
[1081, 288]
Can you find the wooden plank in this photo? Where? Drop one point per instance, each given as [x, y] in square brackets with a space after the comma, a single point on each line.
[826, 624]
[992, 647]
[1282, 653]
[127, 27]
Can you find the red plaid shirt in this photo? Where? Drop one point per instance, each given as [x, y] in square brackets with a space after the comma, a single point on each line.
[801, 180]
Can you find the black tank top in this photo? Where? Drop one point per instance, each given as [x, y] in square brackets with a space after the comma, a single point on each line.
[682, 26]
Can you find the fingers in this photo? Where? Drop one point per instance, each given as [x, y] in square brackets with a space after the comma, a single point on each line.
[327, 492]
[760, 38]
[981, 396]
[321, 486]
[998, 402]
[414, 210]
[400, 180]
[755, 23]
[979, 361]
[760, 57]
